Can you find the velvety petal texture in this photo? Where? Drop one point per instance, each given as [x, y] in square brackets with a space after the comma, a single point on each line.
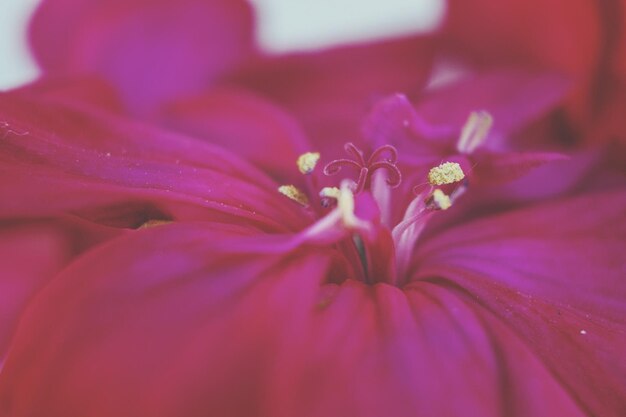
[566, 35]
[34, 251]
[246, 124]
[172, 322]
[330, 91]
[104, 164]
[151, 50]
[554, 273]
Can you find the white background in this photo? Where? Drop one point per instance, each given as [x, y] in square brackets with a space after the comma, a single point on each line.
[283, 25]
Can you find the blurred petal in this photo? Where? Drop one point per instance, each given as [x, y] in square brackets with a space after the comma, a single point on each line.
[497, 168]
[170, 324]
[56, 159]
[373, 351]
[331, 91]
[255, 129]
[173, 324]
[74, 91]
[512, 97]
[555, 274]
[150, 49]
[566, 35]
[32, 253]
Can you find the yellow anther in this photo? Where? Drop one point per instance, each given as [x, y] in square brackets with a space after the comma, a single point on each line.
[307, 162]
[345, 205]
[292, 192]
[446, 173]
[475, 131]
[441, 200]
[330, 192]
[154, 223]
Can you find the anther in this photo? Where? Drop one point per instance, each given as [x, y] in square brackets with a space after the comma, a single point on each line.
[307, 162]
[292, 192]
[440, 200]
[329, 196]
[474, 132]
[367, 167]
[446, 173]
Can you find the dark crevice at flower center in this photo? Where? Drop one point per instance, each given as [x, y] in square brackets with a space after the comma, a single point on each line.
[366, 168]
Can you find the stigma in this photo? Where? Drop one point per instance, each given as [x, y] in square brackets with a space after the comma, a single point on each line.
[366, 167]
[446, 173]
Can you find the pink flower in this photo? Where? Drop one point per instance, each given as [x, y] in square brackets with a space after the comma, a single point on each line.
[219, 257]
[240, 301]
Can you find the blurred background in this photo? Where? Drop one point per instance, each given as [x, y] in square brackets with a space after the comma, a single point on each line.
[282, 26]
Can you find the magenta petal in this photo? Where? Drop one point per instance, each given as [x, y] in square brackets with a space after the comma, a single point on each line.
[377, 351]
[555, 274]
[30, 256]
[566, 36]
[150, 49]
[32, 253]
[246, 124]
[75, 91]
[55, 158]
[393, 120]
[172, 324]
[512, 97]
[163, 322]
[331, 91]
[497, 168]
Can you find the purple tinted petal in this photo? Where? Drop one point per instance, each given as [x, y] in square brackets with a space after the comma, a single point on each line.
[494, 168]
[56, 158]
[150, 49]
[555, 274]
[331, 91]
[248, 125]
[168, 323]
[372, 351]
[512, 97]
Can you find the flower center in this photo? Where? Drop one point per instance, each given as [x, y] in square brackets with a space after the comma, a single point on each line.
[349, 215]
[366, 168]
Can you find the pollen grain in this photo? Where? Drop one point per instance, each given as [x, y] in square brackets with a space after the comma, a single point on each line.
[292, 192]
[307, 162]
[446, 173]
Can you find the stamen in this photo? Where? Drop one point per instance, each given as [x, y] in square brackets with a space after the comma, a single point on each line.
[329, 196]
[441, 200]
[307, 162]
[330, 192]
[474, 132]
[345, 205]
[154, 223]
[446, 173]
[367, 168]
[292, 192]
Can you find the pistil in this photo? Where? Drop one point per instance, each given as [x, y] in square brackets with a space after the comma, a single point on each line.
[366, 168]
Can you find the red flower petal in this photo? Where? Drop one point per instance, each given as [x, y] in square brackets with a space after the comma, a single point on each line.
[166, 321]
[56, 159]
[255, 129]
[32, 253]
[373, 351]
[566, 35]
[331, 91]
[513, 97]
[150, 49]
[555, 274]
[497, 168]
[173, 323]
